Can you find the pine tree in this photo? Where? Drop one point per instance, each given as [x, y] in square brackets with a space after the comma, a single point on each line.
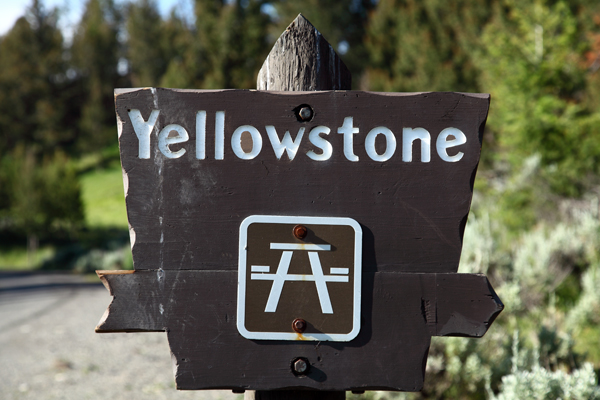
[232, 38]
[44, 197]
[183, 69]
[32, 83]
[146, 53]
[96, 52]
[425, 45]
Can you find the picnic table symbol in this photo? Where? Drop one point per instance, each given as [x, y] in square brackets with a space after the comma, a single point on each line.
[261, 273]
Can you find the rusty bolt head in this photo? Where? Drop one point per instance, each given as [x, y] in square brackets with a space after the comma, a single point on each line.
[305, 113]
[299, 325]
[300, 366]
[300, 231]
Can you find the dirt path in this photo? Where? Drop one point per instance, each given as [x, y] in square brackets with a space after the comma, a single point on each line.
[49, 350]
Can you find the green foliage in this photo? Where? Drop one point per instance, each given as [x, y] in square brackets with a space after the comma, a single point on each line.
[184, 69]
[424, 45]
[542, 384]
[539, 383]
[147, 49]
[530, 270]
[33, 103]
[224, 49]
[232, 42]
[42, 198]
[531, 62]
[95, 56]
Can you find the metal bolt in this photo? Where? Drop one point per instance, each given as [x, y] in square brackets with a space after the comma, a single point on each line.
[300, 231]
[305, 113]
[300, 366]
[299, 325]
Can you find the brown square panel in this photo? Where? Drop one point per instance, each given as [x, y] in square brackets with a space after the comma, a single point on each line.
[314, 281]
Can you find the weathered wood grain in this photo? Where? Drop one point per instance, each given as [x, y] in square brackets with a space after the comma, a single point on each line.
[302, 60]
[401, 311]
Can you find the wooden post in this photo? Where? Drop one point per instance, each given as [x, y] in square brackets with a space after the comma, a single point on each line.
[301, 60]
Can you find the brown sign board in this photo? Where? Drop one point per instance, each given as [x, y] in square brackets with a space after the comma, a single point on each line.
[217, 183]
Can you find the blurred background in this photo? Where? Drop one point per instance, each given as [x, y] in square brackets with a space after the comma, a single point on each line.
[534, 228]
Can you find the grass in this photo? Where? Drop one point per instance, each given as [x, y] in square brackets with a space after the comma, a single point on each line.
[103, 198]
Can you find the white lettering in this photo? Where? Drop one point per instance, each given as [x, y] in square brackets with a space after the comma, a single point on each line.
[201, 135]
[236, 142]
[321, 143]
[409, 135]
[287, 144]
[165, 139]
[348, 129]
[220, 135]
[443, 144]
[143, 129]
[247, 141]
[390, 144]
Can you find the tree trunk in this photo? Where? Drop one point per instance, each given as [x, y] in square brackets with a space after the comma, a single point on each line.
[32, 246]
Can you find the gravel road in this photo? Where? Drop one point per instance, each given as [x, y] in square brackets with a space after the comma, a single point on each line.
[49, 349]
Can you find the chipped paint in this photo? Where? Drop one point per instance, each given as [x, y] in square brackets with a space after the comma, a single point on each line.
[131, 236]
[119, 126]
[160, 277]
[154, 97]
[125, 182]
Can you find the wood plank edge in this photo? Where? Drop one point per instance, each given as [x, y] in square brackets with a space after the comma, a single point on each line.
[102, 275]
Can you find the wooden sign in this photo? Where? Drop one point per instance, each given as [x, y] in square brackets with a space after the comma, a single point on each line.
[299, 240]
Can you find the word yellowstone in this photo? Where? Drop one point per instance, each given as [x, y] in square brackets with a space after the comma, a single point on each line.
[173, 134]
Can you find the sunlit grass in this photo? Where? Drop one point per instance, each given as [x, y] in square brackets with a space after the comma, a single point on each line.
[103, 198]
[16, 259]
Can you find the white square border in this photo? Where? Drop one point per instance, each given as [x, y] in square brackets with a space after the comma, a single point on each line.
[241, 300]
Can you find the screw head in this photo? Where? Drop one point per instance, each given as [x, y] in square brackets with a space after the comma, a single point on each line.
[300, 366]
[299, 325]
[305, 113]
[300, 231]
